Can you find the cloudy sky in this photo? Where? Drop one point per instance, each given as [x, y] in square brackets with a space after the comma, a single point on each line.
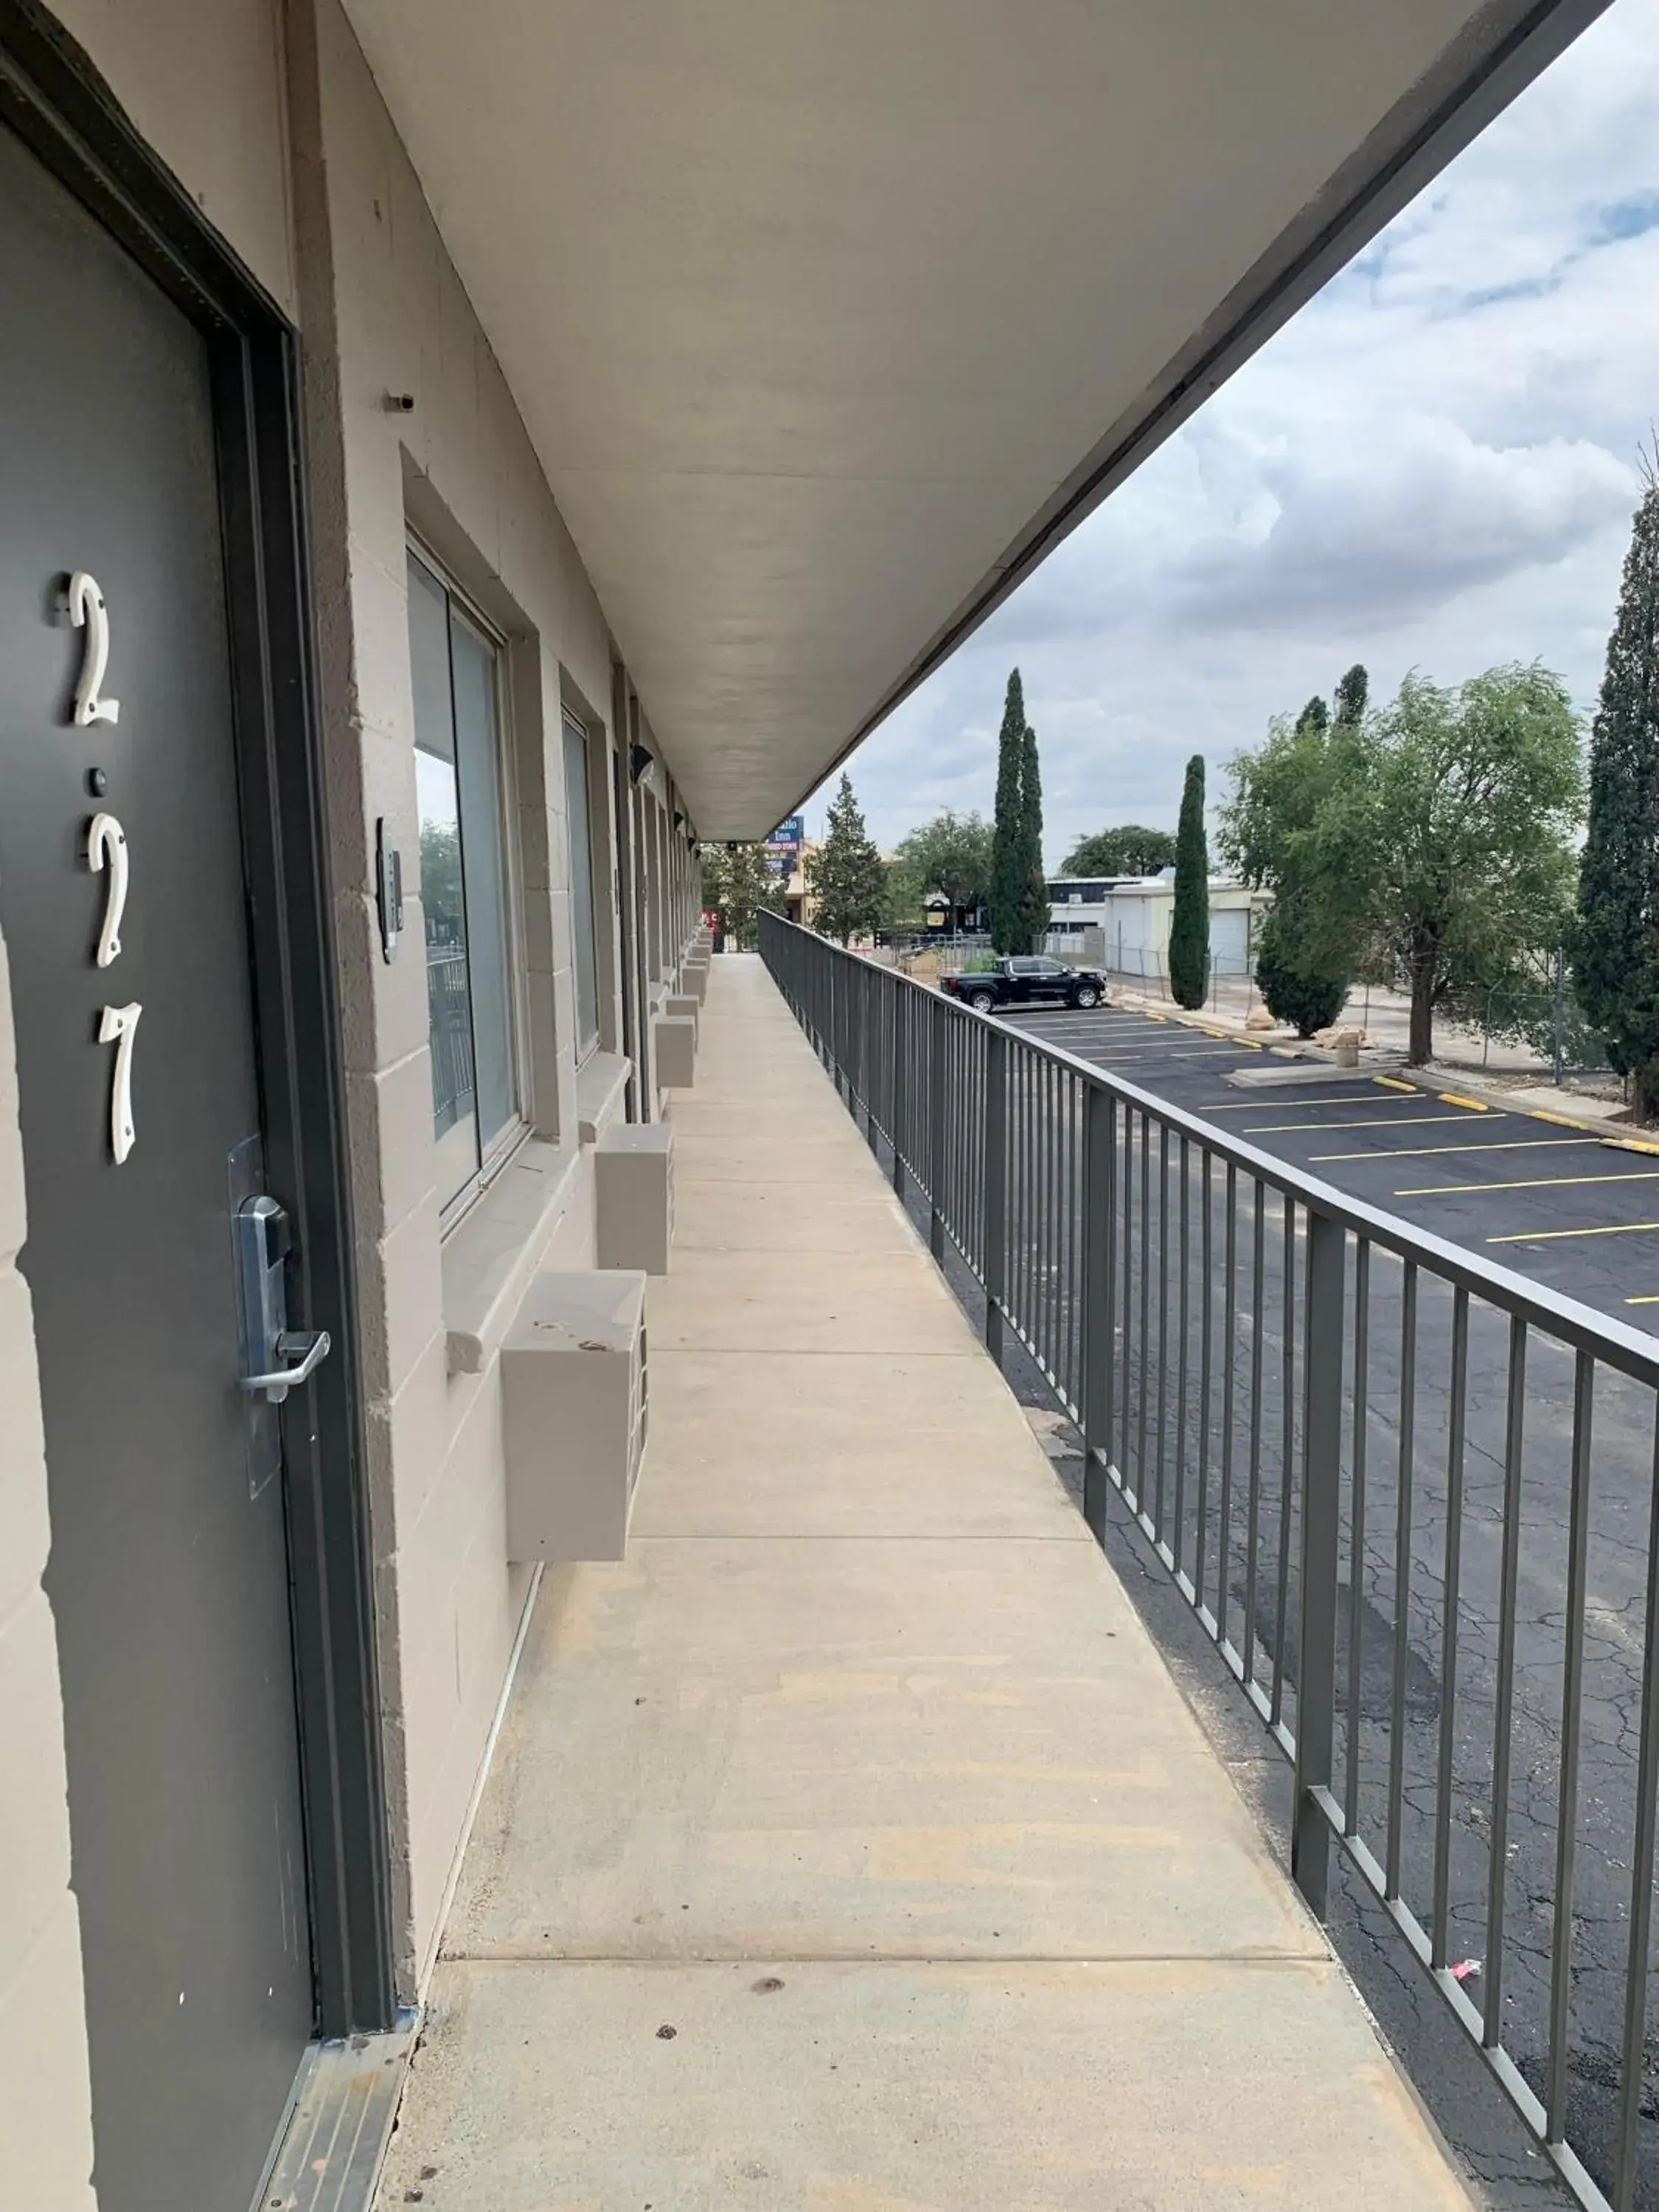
[1433, 466]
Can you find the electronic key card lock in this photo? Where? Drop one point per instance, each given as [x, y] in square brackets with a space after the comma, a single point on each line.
[274, 1356]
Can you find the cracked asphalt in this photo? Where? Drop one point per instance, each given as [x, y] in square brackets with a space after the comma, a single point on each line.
[1522, 1190]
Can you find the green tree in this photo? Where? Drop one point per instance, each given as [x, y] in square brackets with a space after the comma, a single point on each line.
[1315, 716]
[1273, 832]
[1352, 691]
[1189, 922]
[846, 875]
[1434, 843]
[951, 854]
[1307, 1000]
[1132, 850]
[906, 888]
[1007, 874]
[1615, 943]
[738, 883]
[1032, 912]
[1467, 813]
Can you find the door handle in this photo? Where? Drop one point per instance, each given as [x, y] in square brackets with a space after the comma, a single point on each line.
[307, 1347]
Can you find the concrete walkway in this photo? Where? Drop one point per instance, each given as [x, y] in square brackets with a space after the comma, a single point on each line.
[848, 1848]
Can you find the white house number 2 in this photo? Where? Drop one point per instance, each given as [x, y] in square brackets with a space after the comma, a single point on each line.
[107, 855]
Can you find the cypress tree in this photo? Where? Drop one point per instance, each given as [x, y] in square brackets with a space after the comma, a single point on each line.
[1352, 691]
[1032, 923]
[1315, 715]
[1616, 942]
[1189, 923]
[1005, 900]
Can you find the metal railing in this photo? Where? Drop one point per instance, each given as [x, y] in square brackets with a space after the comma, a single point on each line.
[1411, 1497]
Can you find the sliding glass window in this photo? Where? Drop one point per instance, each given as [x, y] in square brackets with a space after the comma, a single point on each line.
[461, 792]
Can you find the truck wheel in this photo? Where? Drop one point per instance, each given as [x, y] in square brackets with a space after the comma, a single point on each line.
[982, 1001]
[1085, 995]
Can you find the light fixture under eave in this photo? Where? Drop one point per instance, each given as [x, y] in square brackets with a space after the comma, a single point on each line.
[640, 762]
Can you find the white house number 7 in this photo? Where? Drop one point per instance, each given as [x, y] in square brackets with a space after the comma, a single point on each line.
[119, 1025]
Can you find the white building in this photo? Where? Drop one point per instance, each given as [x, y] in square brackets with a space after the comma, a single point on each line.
[1122, 923]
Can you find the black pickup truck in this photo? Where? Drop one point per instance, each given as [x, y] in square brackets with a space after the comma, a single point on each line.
[1033, 981]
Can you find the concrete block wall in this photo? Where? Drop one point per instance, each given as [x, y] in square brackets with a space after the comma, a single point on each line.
[384, 313]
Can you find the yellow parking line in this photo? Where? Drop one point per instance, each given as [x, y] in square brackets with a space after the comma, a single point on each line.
[1388, 1122]
[1627, 1145]
[1554, 1236]
[1537, 1182]
[1650, 1301]
[1394, 1083]
[1427, 1151]
[1561, 1120]
[1475, 1105]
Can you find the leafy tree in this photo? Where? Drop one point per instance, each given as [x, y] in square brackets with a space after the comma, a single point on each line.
[951, 854]
[1271, 834]
[1131, 851]
[1034, 910]
[738, 883]
[1616, 944]
[1007, 828]
[1467, 815]
[1308, 1001]
[1189, 923]
[846, 874]
[1352, 691]
[902, 907]
[1433, 842]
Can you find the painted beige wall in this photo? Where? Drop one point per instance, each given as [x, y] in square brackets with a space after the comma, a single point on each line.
[378, 294]
[202, 82]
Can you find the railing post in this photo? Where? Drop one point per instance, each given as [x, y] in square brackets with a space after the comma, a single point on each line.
[901, 1031]
[938, 1045]
[1099, 1290]
[993, 1181]
[1322, 1467]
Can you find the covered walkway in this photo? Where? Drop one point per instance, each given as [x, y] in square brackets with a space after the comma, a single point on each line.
[848, 1848]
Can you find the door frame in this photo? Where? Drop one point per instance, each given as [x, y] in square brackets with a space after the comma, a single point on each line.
[53, 98]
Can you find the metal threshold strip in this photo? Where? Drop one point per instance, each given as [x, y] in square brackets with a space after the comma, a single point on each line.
[335, 2142]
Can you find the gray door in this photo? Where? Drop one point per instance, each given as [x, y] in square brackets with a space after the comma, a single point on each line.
[168, 1573]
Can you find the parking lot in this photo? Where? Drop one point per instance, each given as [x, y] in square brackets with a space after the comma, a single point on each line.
[1566, 1206]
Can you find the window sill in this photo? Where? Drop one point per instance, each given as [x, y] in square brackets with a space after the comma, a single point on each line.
[600, 1081]
[492, 1252]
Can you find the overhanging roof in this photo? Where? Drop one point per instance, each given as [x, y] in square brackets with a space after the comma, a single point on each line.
[829, 317]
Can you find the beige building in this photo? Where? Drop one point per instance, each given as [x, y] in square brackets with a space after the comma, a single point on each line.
[455, 459]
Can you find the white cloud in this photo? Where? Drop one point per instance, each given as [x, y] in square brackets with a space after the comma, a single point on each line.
[1433, 466]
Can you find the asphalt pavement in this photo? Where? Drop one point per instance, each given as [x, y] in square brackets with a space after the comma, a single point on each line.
[1576, 1209]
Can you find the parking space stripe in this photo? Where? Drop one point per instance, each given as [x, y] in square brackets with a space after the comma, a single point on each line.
[1428, 1151]
[1652, 1299]
[1354, 1097]
[1556, 1235]
[1539, 1182]
[1390, 1122]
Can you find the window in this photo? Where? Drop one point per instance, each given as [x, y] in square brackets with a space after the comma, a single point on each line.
[585, 950]
[460, 793]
